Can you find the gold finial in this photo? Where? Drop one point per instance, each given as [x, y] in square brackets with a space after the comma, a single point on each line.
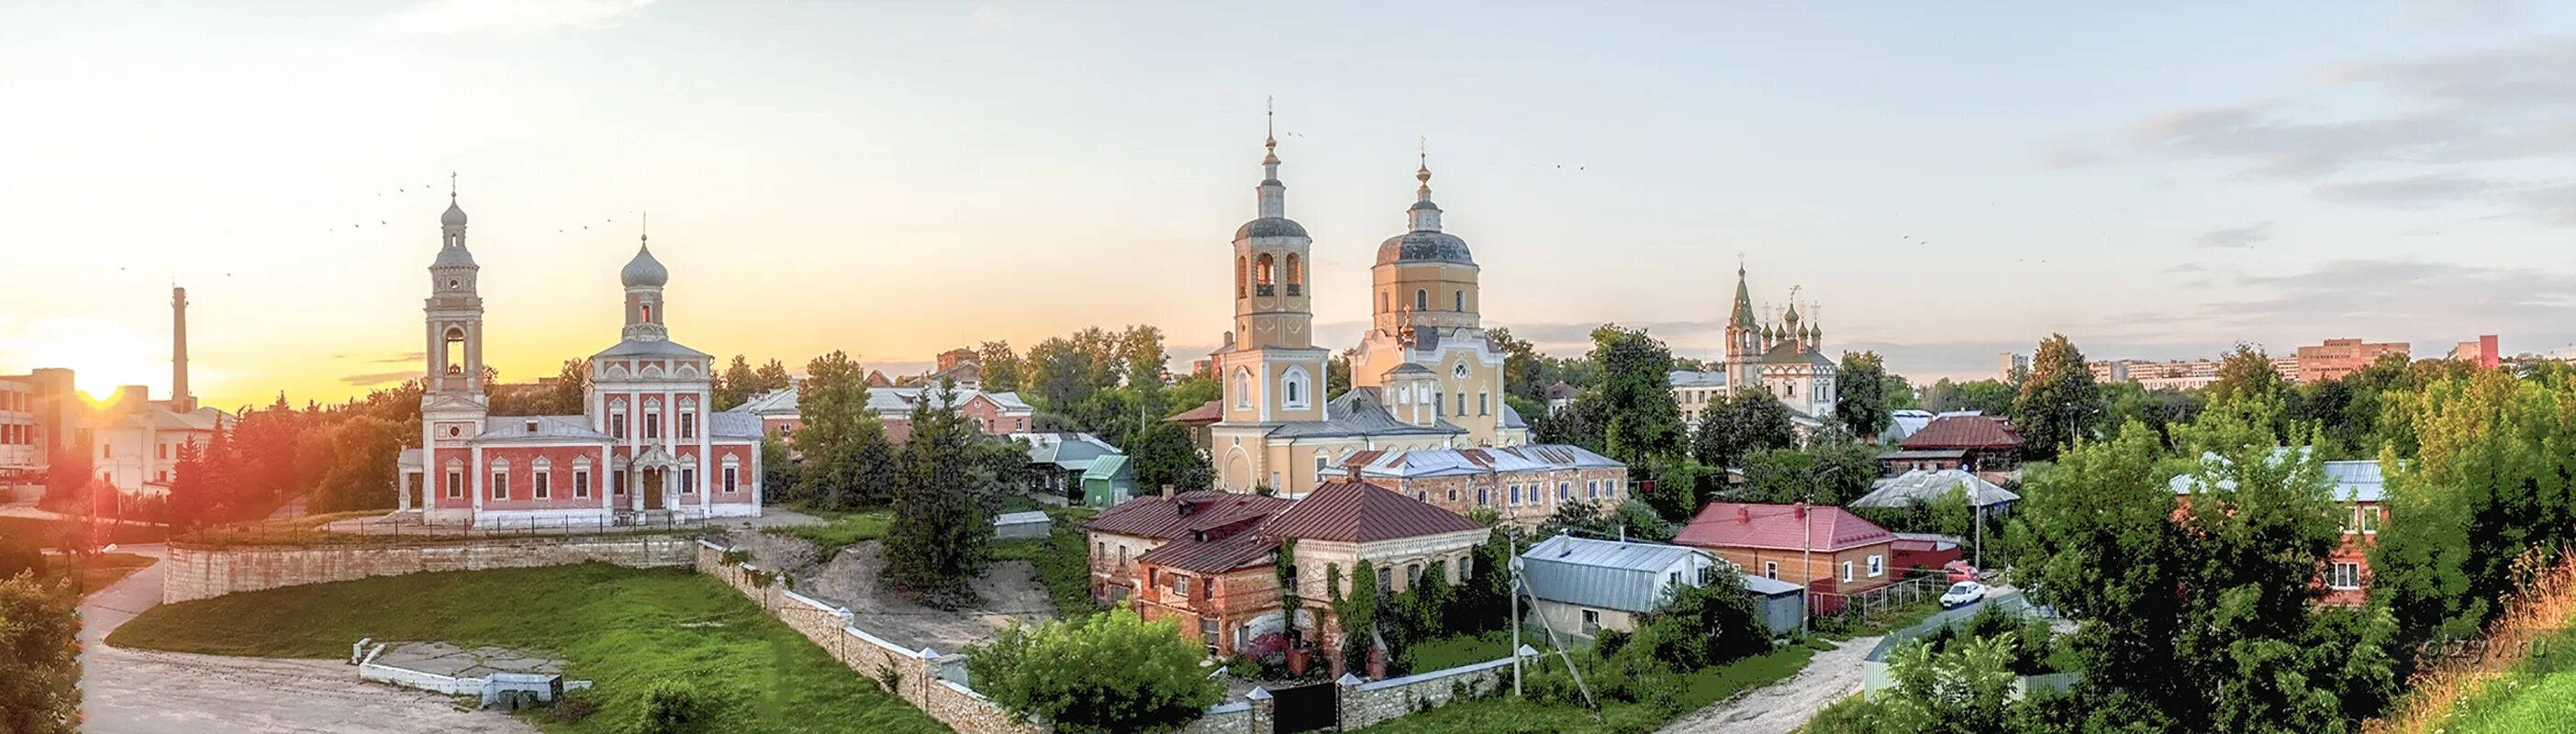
[644, 229]
[1270, 123]
[451, 185]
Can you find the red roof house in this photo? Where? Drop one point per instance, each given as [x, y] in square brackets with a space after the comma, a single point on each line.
[1970, 442]
[1829, 549]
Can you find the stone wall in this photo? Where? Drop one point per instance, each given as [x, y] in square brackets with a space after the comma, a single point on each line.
[1365, 704]
[204, 572]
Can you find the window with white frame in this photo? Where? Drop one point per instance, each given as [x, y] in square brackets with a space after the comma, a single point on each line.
[581, 481]
[1847, 571]
[1483, 497]
[1181, 585]
[617, 482]
[501, 480]
[1771, 569]
[540, 479]
[1294, 386]
[2370, 519]
[688, 423]
[2344, 575]
[1323, 467]
[1592, 489]
[1243, 388]
[732, 475]
[688, 480]
[1877, 566]
[455, 479]
[1591, 621]
[1565, 491]
[1610, 488]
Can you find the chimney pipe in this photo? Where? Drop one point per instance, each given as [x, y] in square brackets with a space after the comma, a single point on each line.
[1167, 491]
[180, 399]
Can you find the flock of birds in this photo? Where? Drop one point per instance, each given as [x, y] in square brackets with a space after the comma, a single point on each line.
[429, 187]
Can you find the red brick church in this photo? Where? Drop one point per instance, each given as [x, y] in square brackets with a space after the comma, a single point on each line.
[647, 447]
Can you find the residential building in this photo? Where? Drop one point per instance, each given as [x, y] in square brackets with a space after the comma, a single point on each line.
[995, 413]
[2345, 579]
[41, 417]
[2339, 357]
[1522, 485]
[961, 367]
[138, 441]
[1827, 549]
[1210, 559]
[2481, 352]
[1924, 552]
[1975, 443]
[1061, 457]
[2010, 367]
[1560, 396]
[1787, 359]
[1924, 486]
[1583, 586]
[647, 446]
[1109, 481]
[1426, 375]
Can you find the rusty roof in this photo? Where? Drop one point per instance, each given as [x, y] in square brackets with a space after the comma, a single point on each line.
[1964, 432]
[1361, 513]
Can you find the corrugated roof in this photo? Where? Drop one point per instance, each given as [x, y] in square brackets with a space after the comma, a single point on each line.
[1106, 467]
[1362, 513]
[1609, 574]
[1696, 378]
[1426, 463]
[1779, 527]
[1158, 518]
[1964, 432]
[523, 427]
[1357, 413]
[733, 424]
[2354, 481]
[1209, 412]
[650, 348]
[1924, 486]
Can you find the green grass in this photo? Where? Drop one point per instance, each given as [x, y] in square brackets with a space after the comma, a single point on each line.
[1063, 565]
[624, 628]
[1503, 714]
[2538, 696]
[1457, 650]
[49, 533]
[843, 529]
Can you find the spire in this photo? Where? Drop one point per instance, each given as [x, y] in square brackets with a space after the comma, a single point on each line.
[1274, 195]
[1743, 315]
[1425, 216]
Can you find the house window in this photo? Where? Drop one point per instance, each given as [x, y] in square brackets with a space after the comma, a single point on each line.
[1421, 300]
[501, 483]
[688, 481]
[617, 425]
[455, 484]
[1453, 495]
[1385, 580]
[1591, 622]
[617, 481]
[652, 424]
[1484, 402]
[1438, 405]
[161, 476]
[1122, 556]
[2370, 519]
[2344, 575]
[1610, 488]
[688, 423]
[1565, 491]
[580, 483]
[1458, 299]
[729, 476]
[1462, 404]
[1847, 571]
[1483, 499]
[1207, 633]
[540, 481]
[161, 451]
[1181, 585]
[1592, 489]
[1243, 388]
[1877, 566]
[1412, 575]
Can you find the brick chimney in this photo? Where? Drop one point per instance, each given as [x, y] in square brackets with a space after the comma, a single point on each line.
[180, 399]
[1167, 491]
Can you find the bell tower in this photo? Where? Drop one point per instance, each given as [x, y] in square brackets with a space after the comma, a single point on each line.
[454, 310]
[1275, 372]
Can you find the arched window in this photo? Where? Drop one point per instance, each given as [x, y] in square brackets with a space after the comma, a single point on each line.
[1239, 277]
[1296, 270]
[1323, 467]
[1242, 388]
[1421, 300]
[1294, 386]
[1385, 303]
[1263, 275]
[453, 352]
[1460, 300]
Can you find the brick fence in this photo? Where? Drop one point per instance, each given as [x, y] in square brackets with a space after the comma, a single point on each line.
[203, 572]
[1367, 703]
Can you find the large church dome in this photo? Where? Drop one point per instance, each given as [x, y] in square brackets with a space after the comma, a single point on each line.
[1424, 247]
[1270, 227]
[644, 270]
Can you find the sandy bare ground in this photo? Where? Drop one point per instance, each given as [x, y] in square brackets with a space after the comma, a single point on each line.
[1784, 706]
[1010, 590]
[147, 692]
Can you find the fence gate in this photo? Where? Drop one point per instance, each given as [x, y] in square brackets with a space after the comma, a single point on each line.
[1305, 708]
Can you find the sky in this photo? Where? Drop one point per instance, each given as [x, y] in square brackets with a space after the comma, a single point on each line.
[1940, 182]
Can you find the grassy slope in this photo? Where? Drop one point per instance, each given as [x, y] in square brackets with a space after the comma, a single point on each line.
[624, 628]
[1506, 715]
[2538, 697]
[48, 532]
[842, 529]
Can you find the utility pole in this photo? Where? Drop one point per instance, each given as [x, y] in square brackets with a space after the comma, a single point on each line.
[1806, 566]
[1513, 563]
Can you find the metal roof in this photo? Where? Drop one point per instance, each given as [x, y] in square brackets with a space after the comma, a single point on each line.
[1964, 431]
[1692, 378]
[1065, 449]
[568, 427]
[733, 424]
[2354, 481]
[1459, 462]
[650, 348]
[1357, 413]
[888, 402]
[1924, 486]
[1108, 467]
[1779, 527]
[1362, 513]
[1609, 574]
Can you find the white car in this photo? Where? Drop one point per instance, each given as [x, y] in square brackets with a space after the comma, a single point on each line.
[1962, 593]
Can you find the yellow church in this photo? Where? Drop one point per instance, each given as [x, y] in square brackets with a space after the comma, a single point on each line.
[1426, 376]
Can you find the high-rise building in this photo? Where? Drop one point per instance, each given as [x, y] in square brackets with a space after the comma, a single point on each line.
[2339, 357]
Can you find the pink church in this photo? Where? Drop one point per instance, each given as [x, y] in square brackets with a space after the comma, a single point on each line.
[647, 448]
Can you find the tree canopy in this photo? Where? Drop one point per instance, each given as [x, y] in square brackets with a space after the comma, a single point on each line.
[2058, 403]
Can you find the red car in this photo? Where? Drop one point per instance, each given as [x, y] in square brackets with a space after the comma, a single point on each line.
[1960, 571]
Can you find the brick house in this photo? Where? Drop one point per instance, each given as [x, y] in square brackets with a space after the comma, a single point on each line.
[1828, 549]
[1209, 559]
[1520, 484]
[2345, 579]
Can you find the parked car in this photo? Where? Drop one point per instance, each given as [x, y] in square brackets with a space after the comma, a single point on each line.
[1960, 571]
[1963, 593]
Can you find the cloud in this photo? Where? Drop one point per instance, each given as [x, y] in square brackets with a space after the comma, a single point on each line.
[512, 16]
[2245, 236]
[2401, 297]
[2411, 191]
[378, 378]
[2500, 104]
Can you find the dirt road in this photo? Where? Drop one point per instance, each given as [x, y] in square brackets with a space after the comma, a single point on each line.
[1781, 707]
[146, 692]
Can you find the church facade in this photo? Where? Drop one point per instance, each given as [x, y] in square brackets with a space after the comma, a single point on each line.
[647, 448]
[1785, 359]
[1426, 376]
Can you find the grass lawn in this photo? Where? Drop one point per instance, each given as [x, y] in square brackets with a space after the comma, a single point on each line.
[1063, 565]
[2538, 696]
[100, 570]
[624, 628]
[1457, 650]
[48, 533]
[842, 529]
[1509, 715]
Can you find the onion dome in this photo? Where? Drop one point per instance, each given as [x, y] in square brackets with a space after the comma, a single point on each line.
[644, 271]
[455, 216]
[1425, 243]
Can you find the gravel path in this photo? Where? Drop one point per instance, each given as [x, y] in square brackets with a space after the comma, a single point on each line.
[1784, 706]
[148, 692]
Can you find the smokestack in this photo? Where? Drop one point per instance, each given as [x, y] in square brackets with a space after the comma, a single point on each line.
[180, 399]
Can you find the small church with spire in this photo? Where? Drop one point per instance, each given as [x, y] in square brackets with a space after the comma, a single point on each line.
[647, 448]
[1785, 357]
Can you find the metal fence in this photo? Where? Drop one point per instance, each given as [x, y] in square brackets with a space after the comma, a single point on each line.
[1904, 593]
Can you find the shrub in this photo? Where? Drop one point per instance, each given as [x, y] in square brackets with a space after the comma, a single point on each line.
[677, 707]
[1063, 673]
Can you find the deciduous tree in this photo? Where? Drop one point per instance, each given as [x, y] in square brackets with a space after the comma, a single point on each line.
[1864, 405]
[2058, 403]
[1745, 422]
[39, 657]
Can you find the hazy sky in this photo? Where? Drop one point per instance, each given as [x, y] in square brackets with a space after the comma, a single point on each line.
[1948, 180]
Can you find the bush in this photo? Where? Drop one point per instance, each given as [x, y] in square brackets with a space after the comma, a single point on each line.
[677, 707]
[1109, 672]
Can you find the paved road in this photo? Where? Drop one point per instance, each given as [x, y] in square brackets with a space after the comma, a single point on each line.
[146, 692]
[1784, 706]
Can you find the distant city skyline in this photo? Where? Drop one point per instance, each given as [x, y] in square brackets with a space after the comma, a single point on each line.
[895, 181]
